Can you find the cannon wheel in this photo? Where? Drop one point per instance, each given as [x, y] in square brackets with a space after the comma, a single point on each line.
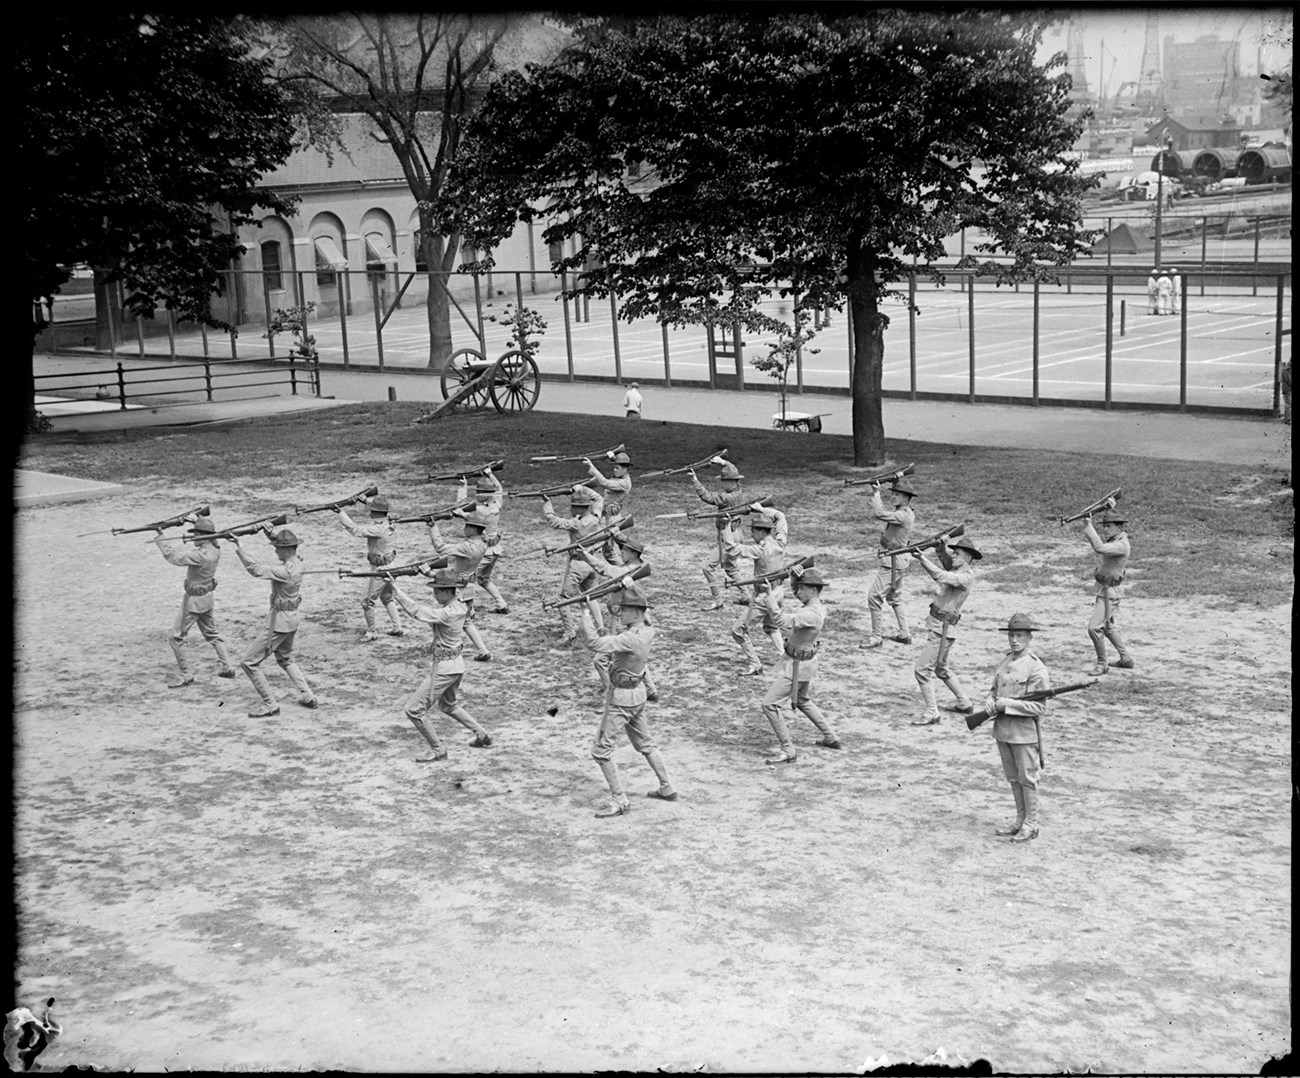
[466, 365]
[517, 383]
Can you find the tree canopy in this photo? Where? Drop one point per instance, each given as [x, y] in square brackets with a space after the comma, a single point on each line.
[703, 162]
[141, 141]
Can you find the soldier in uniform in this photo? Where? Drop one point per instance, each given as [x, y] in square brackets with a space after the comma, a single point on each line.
[1113, 546]
[200, 561]
[446, 669]
[463, 555]
[1015, 726]
[887, 583]
[489, 496]
[768, 530]
[630, 559]
[1153, 291]
[585, 505]
[625, 699]
[380, 551]
[945, 612]
[619, 488]
[729, 497]
[798, 667]
[282, 625]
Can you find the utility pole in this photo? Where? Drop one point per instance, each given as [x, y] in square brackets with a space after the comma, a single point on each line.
[1160, 188]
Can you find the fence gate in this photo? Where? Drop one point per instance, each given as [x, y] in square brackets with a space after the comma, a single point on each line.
[726, 357]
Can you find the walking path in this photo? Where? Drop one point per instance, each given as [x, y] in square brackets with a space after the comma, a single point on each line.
[1155, 435]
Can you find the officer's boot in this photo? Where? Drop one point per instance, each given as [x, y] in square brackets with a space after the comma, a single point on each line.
[930, 714]
[657, 765]
[962, 703]
[184, 677]
[305, 696]
[1029, 829]
[876, 639]
[481, 652]
[368, 612]
[263, 687]
[904, 633]
[619, 804]
[226, 669]
[394, 619]
[1125, 660]
[481, 737]
[426, 732]
[1014, 828]
[1098, 639]
[502, 606]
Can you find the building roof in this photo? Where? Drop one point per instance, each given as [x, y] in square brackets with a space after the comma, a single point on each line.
[366, 160]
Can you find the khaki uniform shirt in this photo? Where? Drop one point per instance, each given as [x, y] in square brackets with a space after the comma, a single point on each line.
[898, 525]
[448, 624]
[630, 651]
[1113, 563]
[200, 561]
[1011, 680]
[286, 582]
[722, 499]
[463, 555]
[803, 628]
[378, 534]
[489, 507]
[951, 591]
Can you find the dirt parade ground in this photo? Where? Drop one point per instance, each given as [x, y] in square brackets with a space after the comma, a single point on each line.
[200, 889]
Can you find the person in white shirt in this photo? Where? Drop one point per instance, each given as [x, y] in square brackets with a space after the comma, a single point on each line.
[632, 401]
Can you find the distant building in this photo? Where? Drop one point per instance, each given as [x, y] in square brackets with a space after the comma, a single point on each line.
[1192, 137]
[1203, 82]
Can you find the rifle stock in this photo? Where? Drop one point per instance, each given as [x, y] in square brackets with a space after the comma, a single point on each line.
[414, 568]
[580, 456]
[446, 513]
[595, 538]
[731, 514]
[600, 590]
[170, 522]
[342, 503]
[884, 477]
[955, 532]
[775, 575]
[1102, 504]
[251, 528]
[978, 718]
[549, 492]
[715, 458]
[493, 466]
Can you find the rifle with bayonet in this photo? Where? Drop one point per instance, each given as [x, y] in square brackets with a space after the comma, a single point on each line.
[342, 503]
[609, 453]
[717, 458]
[937, 540]
[445, 513]
[161, 525]
[549, 492]
[600, 590]
[982, 715]
[493, 466]
[1099, 506]
[594, 539]
[731, 513]
[775, 575]
[262, 524]
[882, 478]
[415, 568]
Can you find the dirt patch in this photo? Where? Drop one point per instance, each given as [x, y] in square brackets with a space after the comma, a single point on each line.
[200, 889]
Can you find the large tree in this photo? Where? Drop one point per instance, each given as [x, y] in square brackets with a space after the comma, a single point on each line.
[140, 144]
[418, 78]
[813, 152]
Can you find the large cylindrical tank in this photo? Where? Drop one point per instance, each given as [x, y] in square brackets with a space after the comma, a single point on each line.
[1216, 164]
[1265, 164]
[1176, 162]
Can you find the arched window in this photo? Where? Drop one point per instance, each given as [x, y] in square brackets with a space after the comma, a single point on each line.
[271, 266]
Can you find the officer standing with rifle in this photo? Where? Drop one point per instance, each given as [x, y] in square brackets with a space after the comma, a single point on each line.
[1113, 547]
[381, 550]
[953, 589]
[200, 563]
[1015, 728]
[798, 667]
[282, 624]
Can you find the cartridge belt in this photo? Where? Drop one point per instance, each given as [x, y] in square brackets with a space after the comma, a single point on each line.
[286, 605]
[622, 679]
[200, 589]
[1111, 580]
[382, 559]
[440, 653]
[802, 654]
[944, 616]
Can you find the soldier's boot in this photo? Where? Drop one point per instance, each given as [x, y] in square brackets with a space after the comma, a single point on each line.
[904, 633]
[502, 607]
[618, 804]
[368, 612]
[753, 664]
[426, 732]
[1014, 828]
[227, 668]
[1125, 660]
[570, 632]
[305, 696]
[657, 765]
[394, 619]
[778, 640]
[1098, 639]
[1029, 829]
[184, 677]
[476, 638]
[930, 714]
[263, 687]
[787, 753]
[876, 639]
[469, 722]
[829, 739]
[962, 703]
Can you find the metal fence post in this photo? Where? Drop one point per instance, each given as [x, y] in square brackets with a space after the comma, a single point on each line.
[1035, 334]
[613, 325]
[203, 332]
[293, 376]
[519, 303]
[1182, 349]
[478, 315]
[343, 321]
[234, 348]
[798, 348]
[207, 377]
[911, 327]
[848, 326]
[266, 302]
[1277, 348]
[121, 386]
[568, 330]
[379, 324]
[1123, 312]
[1110, 227]
[1110, 332]
[1254, 280]
[970, 317]
[139, 332]
[1205, 221]
[668, 372]
[171, 334]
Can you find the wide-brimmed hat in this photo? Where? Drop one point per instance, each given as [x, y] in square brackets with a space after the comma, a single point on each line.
[445, 578]
[284, 537]
[811, 577]
[730, 471]
[622, 458]
[630, 543]
[581, 496]
[966, 543]
[378, 504]
[902, 487]
[631, 595]
[762, 520]
[1114, 516]
[484, 485]
[1022, 623]
[202, 526]
[473, 518]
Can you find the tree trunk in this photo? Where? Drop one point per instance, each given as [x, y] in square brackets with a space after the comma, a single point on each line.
[439, 307]
[868, 359]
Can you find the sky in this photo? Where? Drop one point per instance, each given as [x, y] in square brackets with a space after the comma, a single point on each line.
[1113, 36]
